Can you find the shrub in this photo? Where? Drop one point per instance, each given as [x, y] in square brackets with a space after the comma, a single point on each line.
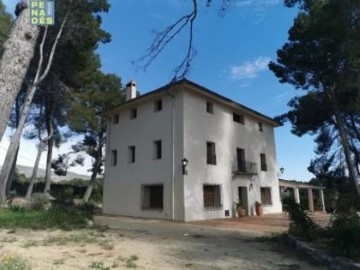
[12, 262]
[301, 224]
[40, 201]
[345, 231]
[56, 217]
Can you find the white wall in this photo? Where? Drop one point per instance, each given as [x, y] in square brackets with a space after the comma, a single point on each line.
[200, 127]
[122, 189]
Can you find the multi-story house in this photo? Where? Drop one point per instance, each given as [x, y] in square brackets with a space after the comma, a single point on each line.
[183, 152]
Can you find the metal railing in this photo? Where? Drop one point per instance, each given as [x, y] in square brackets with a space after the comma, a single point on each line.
[244, 167]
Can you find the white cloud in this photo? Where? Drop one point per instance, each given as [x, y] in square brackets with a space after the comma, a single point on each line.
[248, 3]
[249, 69]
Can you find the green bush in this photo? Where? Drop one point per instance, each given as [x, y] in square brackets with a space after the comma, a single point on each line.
[12, 262]
[345, 231]
[56, 218]
[39, 201]
[301, 224]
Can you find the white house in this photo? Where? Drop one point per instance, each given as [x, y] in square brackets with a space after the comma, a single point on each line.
[183, 152]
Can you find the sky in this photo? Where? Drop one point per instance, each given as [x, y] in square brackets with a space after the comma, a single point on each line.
[233, 49]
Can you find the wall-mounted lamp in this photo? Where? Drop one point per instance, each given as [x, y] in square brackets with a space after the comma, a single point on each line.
[184, 162]
[251, 186]
[282, 170]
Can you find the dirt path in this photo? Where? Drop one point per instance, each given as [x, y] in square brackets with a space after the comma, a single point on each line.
[148, 245]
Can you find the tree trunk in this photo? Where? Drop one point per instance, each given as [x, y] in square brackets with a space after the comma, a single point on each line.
[344, 139]
[15, 142]
[96, 168]
[13, 168]
[48, 166]
[12, 174]
[35, 170]
[10, 155]
[18, 52]
[50, 131]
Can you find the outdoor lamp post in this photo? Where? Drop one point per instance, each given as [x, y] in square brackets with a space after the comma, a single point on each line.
[184, 162]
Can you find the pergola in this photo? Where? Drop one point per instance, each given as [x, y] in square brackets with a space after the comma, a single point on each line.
[296, 186]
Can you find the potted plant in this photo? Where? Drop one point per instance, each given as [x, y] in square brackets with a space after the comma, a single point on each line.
[258, 208]
[240, 209]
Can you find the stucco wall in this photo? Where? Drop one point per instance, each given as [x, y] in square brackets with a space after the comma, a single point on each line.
[219, 127]
[122, 189]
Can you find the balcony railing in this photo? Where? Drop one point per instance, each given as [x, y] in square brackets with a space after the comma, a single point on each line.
[244, 167]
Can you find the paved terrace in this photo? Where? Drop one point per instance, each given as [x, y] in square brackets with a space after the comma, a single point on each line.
[271, 223]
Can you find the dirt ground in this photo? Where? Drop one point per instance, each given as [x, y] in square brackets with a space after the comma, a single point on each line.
[149, 244]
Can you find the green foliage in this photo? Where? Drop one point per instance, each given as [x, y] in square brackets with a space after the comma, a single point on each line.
[345, 231]
[54, 218]
[99, 266]
[39, 201]
[322, 58]
[13, 262]
[301, 224]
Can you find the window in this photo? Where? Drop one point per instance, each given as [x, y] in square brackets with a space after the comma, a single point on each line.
[239, 118]
[212, 196]
[157, 150]
[210, 153]
[241, 162]
[263, 162]
[131, 157]
[261, 128]
[266, 195]
[209, 107]
[113, 157]
[157, 105]
[152, 197]
[133, 113]
[116, 119]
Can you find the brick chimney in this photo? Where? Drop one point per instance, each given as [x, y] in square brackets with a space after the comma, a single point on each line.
[131, 90]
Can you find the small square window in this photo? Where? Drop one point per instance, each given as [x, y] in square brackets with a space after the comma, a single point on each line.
[133, 113]
[210, 107]
[158, 105]
[157, 149]
[116, 119]
[113, 157]
[239, 118]
[153, 197]
[261, 127]
[131, 155]
[212, 196]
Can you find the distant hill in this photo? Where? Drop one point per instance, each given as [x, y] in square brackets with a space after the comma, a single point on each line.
[41, 174]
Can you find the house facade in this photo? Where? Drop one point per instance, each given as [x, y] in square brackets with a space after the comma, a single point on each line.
[183, 152]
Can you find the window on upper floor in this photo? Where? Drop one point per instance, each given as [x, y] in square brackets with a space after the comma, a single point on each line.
[212, 196]
[113, 158]
[131, 154]
[158, 105]
[153, 197]
[133, 113]
[263, 162]
[210, 153]
[209, 107]
[239, 118]
[157, 149]
[116, 119]
[261, 127]
[266, 195]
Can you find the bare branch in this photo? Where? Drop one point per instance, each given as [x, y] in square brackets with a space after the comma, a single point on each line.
[164, 37]
[53, 49]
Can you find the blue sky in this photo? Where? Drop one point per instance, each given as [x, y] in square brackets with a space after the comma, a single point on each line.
[233, 50]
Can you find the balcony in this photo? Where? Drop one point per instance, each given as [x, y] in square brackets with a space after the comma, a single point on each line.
[244, 167]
